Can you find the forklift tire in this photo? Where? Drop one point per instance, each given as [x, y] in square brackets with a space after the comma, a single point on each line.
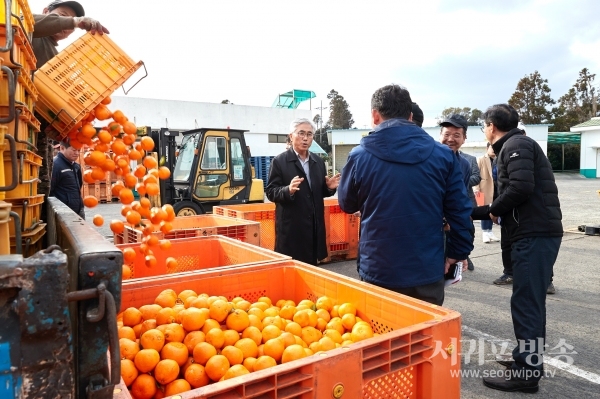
[187, 208]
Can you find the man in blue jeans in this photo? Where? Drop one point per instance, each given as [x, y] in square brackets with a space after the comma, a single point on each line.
[530, 214]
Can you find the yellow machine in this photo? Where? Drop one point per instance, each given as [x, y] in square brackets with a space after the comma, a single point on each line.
[210, 167]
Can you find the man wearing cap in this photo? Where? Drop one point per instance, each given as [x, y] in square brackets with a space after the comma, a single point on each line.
[404, 183]
[454, 133]
[67, 179]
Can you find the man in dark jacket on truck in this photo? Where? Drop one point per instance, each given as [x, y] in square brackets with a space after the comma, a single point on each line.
[404, 183]
[528, 209]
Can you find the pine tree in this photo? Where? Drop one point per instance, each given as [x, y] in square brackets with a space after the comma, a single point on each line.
[340, 116]
[532, 98]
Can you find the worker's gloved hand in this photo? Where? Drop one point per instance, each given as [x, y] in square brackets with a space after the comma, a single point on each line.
[90, 24]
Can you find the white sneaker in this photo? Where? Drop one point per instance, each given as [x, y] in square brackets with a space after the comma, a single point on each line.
[486, 237]
[493, 237]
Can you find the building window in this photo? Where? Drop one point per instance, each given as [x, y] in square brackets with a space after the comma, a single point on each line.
[278, 138]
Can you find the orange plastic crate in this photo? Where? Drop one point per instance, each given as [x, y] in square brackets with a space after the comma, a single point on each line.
[27, 173]
[21, 15]
[21, 54]
[198, 226]
[342, 231]
[29, 210]
[410, 359]
[25, 91]
[262, 213]
[200, 253]
[24, 128]
[73, 82]
[31, 241]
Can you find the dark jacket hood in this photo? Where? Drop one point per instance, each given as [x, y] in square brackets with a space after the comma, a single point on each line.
[404, 143]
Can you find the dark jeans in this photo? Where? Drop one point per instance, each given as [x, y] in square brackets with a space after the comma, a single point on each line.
[432, 293]
[486, 225]
[506, 257]
[533, 259]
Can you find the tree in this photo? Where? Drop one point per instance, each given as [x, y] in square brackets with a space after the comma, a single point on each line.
[340, 116]
[532, 98]
[577, 105]
[473, 116]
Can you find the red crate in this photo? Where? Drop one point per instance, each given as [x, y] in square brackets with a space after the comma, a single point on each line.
[342, 231]
[416, 354]
[201, 253]
[198, 226]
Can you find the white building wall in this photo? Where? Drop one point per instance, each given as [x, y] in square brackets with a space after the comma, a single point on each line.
[186, 115]
[590, 143]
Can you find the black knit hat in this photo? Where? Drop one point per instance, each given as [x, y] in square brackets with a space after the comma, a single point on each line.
[73, 5]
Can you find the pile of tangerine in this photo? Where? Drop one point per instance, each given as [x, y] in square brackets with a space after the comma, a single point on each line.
[190, 340]
[112, 149]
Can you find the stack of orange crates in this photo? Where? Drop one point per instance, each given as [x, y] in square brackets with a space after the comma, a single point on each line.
[19, 163]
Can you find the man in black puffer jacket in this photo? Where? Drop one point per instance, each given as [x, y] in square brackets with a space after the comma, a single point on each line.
[528, 209]
[67, 179]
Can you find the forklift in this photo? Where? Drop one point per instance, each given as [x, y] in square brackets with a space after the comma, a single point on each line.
[210, 167]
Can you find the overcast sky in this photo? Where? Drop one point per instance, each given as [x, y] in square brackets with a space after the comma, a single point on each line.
[447, 53]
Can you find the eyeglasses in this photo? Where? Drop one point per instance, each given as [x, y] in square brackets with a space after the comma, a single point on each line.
[304, 134]
[482, 127]
[456, 136]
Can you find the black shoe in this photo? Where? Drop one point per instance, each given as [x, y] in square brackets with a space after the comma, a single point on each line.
[511, 384]
[551, 290]
[470, 265]
[505, 279]
[506, 363]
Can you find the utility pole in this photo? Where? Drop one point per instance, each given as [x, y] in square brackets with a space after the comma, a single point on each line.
[321, 108]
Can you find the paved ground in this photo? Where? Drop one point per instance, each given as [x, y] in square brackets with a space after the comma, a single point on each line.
[573, 314]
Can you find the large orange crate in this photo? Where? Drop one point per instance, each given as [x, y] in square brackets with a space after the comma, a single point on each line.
[200, 253]
[262, 213]
[342, 231]
[199, 226]
[29, 210]
[414, 357]
[21, 54]
[73, 82]
[21, 15]
[27, 164]
[24, 128]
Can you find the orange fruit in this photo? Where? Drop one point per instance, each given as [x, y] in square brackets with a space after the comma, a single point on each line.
[253, 333]
[292, 352]
[193, 319]
[216, 367]
[129, 127]
[150, 311]
[202, 352]
[219, 310]
[88, 130]
[348, 321]
[174, 333]
[106, 100]
[150, 162]
[166, 371]
[166, 298]
[334, 335]
[126, 332]
[147, 325]
[153, 339]
[144, 387]
[132, 316]
[152, 188]
[146, 359]
[147, 143]
[288, 312]
[248, 347]
[126, 196]
[119, 117]
[196, 376]
[270, 332]
[165, 227]
[163, 173]
[209, 324]
[126, 273]
[249, 363]
[346, 308]
[90, 201]
[117, 226]
[336, 324]
[165, 315]
[294, 328]
[231, 337]
[237, 320]
[177, 386]
[192, 339]
[104, 136]
[274, 348]
[302, 318]
[215, 337]
[270, 320]
[310, 335]
[261, 305]
[175, 351]
[200, 302]
[98, 220]
[233, 354]
[129, 255]
[323, 314]
[235, 371]
[133, 218]
[128, 348]
[102, 112]
[264, 362]
[255, 321]
[128, 371]
[266, 300]
[288, 338]
[324, 303]
[361, 331]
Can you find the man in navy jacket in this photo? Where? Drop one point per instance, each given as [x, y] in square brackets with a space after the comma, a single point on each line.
[67, 179]
[404, 184]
